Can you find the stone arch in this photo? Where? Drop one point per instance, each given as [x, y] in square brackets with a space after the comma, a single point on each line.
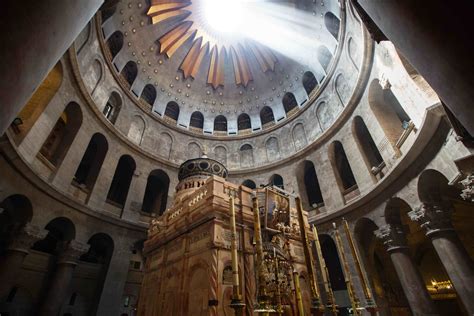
[342, 169]
[246, 155]
[220, 154]
[342, 89]
[388, 111]
[60, 229]
[324, 57]
[309, 82]
[172, 111]
[433, 188]
[266, 116]
[115, 43]
[165, 145]
[371, 154]
[91, 162]
[59, 140]
[137, 129]
[113, 106]
[121, 181]
[325, 115]
[39, 100]
[289, 102]
[353, 52]
[149, 94]
[156, 192]
[299, 136]
[197, 120]
[130, 72]
[83, 38]
[96, 74]
[194, 150]
[220, 123]
[273, 148]
[332, 24]
[17, 212]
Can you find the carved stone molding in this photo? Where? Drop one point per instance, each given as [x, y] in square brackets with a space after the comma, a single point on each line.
[433, 218]
[27, 237]
[468, 190]
[70, 251]
[392, 236]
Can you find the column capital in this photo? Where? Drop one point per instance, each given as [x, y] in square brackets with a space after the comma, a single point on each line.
[468, 190]
[26, 237]
[392, 236]
[70, 251]
[433, 218]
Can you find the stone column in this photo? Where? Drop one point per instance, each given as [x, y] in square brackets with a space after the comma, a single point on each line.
[35, 35]
[410, 278]
[69, 253]
[16, 252]
[436, 220]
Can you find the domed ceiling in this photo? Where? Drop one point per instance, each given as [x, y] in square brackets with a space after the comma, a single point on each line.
[227, 57]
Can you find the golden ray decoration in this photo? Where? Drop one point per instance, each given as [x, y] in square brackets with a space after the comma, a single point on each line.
[205, 44]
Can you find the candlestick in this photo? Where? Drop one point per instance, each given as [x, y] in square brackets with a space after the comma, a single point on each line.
[317, 308]
[236, 302]
[347, 274]
[299, 299]
[331, 301]
[279, 308]
[262, 297]
[371, 307]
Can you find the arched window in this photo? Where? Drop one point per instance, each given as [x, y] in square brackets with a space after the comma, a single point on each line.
[121, 181]
[344, 176]
[108, 9]
[57, 144]
[311, 183]
[249, 184]
[112, 107]
[115, 43]
[172, 110]
[220, 154]
[243, 122]
[277, 181]
[38, 101]
[220, 123]
[309, 82]
[156, 192]
[332, 23]
[389, 113]
[91, 162]
[137, 129]
[149, 94]
[59, 230]
[289, 102]
[324, 57]
[367, 146]
[197, 120]
[130, 72]
[266, 115]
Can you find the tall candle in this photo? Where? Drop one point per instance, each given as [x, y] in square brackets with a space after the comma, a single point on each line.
[235, 262]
